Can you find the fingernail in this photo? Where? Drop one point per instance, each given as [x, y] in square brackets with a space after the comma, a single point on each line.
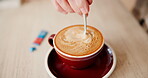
[80, 14]
[84, 11]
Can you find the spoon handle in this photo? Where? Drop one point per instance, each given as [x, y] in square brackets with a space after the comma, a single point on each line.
[85, 23]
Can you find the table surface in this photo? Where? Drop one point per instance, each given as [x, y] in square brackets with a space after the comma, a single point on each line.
[19, 27]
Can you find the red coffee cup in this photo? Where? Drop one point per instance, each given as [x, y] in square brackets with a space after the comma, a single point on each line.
[76, 62]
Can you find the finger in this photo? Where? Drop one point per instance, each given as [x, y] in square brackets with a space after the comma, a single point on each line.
[82, 15]
[83, 6]
[90, 2]
[65, 5]
[74, 7]
[58, 7]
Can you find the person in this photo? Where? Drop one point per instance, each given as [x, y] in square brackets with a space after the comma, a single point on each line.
[72, 6]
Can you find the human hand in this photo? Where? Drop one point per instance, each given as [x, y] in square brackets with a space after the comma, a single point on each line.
[72, 6]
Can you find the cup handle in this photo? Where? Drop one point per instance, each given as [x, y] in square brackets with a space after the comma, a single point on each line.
[50, 40]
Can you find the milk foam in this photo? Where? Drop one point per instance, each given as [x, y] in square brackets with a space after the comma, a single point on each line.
[76, 34]
[73, 41]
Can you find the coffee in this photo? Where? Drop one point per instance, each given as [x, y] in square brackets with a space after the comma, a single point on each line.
[72, 40]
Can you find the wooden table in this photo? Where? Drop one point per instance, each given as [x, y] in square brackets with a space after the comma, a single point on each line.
[19, 27]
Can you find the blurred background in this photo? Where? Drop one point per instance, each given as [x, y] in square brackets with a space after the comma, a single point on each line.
[139, 8]
[124, 24]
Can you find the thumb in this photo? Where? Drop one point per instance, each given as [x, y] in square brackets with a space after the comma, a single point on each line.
[83, 5]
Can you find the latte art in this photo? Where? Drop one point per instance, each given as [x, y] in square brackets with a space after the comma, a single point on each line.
[73, 41]
[76, 34]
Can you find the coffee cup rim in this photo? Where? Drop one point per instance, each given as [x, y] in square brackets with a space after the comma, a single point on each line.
[71, 56]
